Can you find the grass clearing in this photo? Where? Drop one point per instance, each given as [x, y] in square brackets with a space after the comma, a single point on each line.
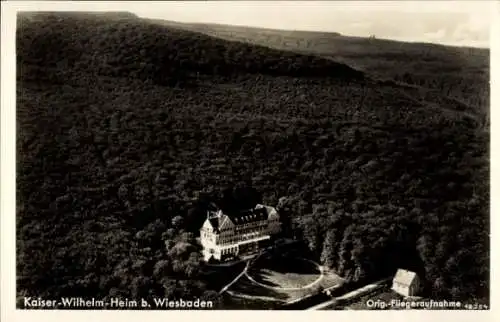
[281, 279]
[285, 273]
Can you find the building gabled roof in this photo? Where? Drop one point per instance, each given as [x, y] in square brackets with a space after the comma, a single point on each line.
[225, 222]
[405, 277]
[214, 222]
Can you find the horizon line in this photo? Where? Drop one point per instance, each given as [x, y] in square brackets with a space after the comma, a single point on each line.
[400, 40]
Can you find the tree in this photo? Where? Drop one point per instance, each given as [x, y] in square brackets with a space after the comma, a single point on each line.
[329, 252]
[177, 222]
[161, 269]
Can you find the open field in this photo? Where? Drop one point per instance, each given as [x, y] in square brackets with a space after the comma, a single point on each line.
[281, 280]
[285, 273]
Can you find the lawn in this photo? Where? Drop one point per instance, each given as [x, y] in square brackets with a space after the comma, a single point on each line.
[285, 273]
[280, 279]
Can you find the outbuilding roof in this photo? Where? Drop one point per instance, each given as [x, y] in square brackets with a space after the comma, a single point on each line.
[405, 277]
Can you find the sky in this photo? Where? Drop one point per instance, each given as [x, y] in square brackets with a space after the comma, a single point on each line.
[463, 23]
[450, 22]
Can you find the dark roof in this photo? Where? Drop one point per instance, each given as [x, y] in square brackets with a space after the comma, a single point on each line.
[248, 216]
[214, 221]
[240, 217]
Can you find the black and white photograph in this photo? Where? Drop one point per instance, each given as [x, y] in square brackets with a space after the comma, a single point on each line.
[239, 155]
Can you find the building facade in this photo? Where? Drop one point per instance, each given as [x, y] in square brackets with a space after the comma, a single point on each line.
[225, 236]
[406, 283]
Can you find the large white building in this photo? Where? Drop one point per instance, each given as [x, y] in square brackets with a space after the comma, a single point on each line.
[224, 236]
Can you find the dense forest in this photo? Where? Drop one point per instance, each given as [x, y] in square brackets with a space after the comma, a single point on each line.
[128, 130]
[458, 72]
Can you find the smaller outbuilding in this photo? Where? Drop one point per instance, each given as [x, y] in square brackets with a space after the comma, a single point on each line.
[406, 283]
